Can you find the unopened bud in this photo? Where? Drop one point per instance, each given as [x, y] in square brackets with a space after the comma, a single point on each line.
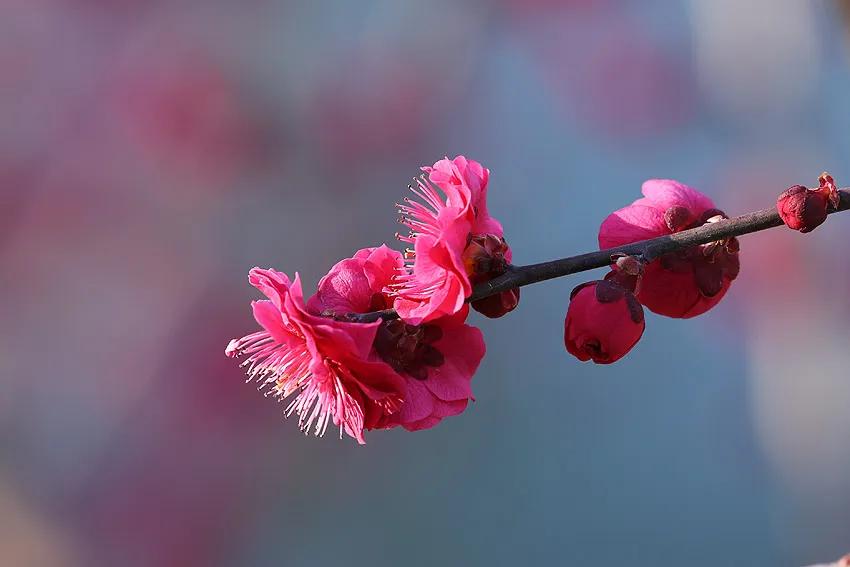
[604, 321]
[497, 305]
[484, 257]
[805, 209]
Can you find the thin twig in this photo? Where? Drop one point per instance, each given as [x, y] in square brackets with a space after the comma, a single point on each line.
[518, 276]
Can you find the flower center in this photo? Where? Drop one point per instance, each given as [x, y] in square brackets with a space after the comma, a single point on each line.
[409, 349]
[379, 302]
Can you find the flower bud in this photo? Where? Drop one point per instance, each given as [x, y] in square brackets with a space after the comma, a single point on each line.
[805, 209]
[487, 256]
[497, 305]
[604, 321]
[484, 257]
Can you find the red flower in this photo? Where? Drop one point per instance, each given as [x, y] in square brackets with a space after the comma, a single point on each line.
[452, 234]
[361, 376]
[604, 321]
[325, 363]
[685, 283]
[805, 209]
[434, 361]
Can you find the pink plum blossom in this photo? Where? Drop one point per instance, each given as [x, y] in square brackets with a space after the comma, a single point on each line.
[682, 284]
[325, 363]
[360, 376]
[449, 217]
[434, 360]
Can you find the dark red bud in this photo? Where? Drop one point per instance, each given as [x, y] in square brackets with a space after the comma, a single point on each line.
[484, 257]
[805, 209]
[497, 305]
[604, 321]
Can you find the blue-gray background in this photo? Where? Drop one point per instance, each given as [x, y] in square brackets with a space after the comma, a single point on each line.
[152, 152]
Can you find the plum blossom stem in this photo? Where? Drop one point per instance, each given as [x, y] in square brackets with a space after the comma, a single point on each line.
[518, 276]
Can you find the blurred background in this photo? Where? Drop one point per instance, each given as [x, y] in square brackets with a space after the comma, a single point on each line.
[152, 152]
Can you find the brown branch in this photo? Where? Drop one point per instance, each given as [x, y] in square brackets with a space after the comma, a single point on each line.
[518, 276]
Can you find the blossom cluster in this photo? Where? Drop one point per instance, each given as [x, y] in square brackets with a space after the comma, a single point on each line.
[605, 318]
[411, 368]
[383, 342]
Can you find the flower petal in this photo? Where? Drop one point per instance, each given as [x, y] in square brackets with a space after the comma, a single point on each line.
[272, 283]
[418, 403]
[463, 348]
[632, 224]
[666, 193]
